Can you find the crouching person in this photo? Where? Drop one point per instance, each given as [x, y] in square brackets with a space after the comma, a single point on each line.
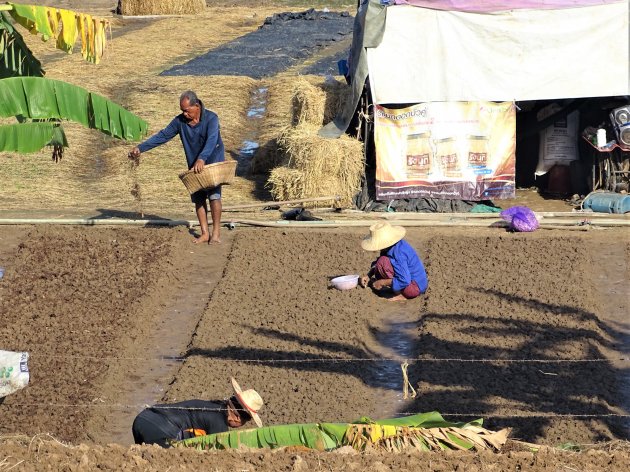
[398, 269]
[162, 424]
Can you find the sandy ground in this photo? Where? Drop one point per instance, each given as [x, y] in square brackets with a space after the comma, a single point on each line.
[86, 303]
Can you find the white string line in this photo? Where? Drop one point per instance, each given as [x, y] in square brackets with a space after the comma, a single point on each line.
[523, 414]
[337, 359]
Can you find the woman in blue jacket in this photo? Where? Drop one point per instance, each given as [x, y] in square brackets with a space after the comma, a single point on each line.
[398, 269]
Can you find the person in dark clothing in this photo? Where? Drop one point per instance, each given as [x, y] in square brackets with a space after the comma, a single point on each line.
[198, 129]
[398, 268]
[162, 424]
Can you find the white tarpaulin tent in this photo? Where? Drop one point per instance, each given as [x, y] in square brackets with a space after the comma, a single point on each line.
[487, 50]
[434, 55]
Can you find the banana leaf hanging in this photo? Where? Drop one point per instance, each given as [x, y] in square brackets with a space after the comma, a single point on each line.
[37, 98]
[66, 27]
[16, 59]
[31, 137]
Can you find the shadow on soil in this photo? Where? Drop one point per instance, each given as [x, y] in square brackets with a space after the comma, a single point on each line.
[105, 213]
[463, 389]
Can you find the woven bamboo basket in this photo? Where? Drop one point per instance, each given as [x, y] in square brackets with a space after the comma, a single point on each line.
[220, 173]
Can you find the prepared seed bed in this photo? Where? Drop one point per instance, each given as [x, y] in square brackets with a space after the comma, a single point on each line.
[85, 303]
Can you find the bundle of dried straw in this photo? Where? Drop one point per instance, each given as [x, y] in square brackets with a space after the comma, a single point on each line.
[317, 166]
[290, 101]
[160, 7]
[317, 103]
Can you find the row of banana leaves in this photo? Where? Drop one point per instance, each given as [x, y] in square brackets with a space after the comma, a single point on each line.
[41, 105]
[65, 27]
[423, 431]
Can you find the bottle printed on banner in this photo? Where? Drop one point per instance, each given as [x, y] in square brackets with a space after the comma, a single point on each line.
[448, 157]
[478, 155]
[419, 156]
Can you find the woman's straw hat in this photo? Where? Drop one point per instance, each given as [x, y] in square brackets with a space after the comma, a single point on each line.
[382, 235]
[250, 400]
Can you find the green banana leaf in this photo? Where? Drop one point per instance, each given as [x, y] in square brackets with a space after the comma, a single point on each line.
[31, 137]
[431, 419]
[33, 18]
[16, 59]
[426, 431]
[311, 435]
[40, 98]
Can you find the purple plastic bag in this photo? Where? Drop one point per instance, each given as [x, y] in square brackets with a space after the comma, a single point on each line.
[521, 219]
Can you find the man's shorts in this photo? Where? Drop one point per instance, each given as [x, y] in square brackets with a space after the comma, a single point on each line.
[200, 197]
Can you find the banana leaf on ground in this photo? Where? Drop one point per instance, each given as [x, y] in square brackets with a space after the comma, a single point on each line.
[424, 431]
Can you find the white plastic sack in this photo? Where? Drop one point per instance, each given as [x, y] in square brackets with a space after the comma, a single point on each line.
[13, 372]
[558, 142]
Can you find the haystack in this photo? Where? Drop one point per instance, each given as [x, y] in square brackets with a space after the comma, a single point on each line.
[292, 101]
[294, 184]
[316, 166]
[160, 7]
[319, 103]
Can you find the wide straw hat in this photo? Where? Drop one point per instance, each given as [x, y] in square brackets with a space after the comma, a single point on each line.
[250, 400]
[382, 235]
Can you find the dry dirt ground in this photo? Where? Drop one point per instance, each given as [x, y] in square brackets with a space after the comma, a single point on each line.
[97, 308]
[115, 318]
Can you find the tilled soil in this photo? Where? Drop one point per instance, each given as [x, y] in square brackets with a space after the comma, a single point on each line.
[80, 300]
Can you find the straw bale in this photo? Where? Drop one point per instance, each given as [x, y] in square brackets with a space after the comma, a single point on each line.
[304, 149]
[161, 7]
[317, 102]
[286, 184]
[293, 184]
[293, 101]
[317, 166]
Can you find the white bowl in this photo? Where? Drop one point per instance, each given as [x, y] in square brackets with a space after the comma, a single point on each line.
[345, 282]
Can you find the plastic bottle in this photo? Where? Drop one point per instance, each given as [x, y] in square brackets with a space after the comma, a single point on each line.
[601, 137]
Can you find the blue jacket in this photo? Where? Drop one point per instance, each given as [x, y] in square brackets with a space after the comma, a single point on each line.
[407, 266]
[202, 141]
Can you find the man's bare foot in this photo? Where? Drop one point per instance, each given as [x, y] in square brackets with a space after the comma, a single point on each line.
[215, 238]
[204, 238]
[397, 298]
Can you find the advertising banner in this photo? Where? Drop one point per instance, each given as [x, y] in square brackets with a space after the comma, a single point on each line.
[448, 150]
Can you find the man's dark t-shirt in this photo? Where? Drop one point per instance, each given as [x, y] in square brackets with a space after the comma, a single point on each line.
[161, 423]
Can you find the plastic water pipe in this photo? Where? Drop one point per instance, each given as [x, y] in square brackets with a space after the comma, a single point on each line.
[231, 224]
[94, 222]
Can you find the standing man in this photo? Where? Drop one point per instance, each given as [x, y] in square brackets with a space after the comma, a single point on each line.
[198, 128]
[163, 424]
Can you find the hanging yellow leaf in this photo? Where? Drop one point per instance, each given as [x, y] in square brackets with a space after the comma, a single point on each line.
[90, 39]
[99, 39]
[83, 31]
[46, 21]
[69, 30]
[53, 21]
